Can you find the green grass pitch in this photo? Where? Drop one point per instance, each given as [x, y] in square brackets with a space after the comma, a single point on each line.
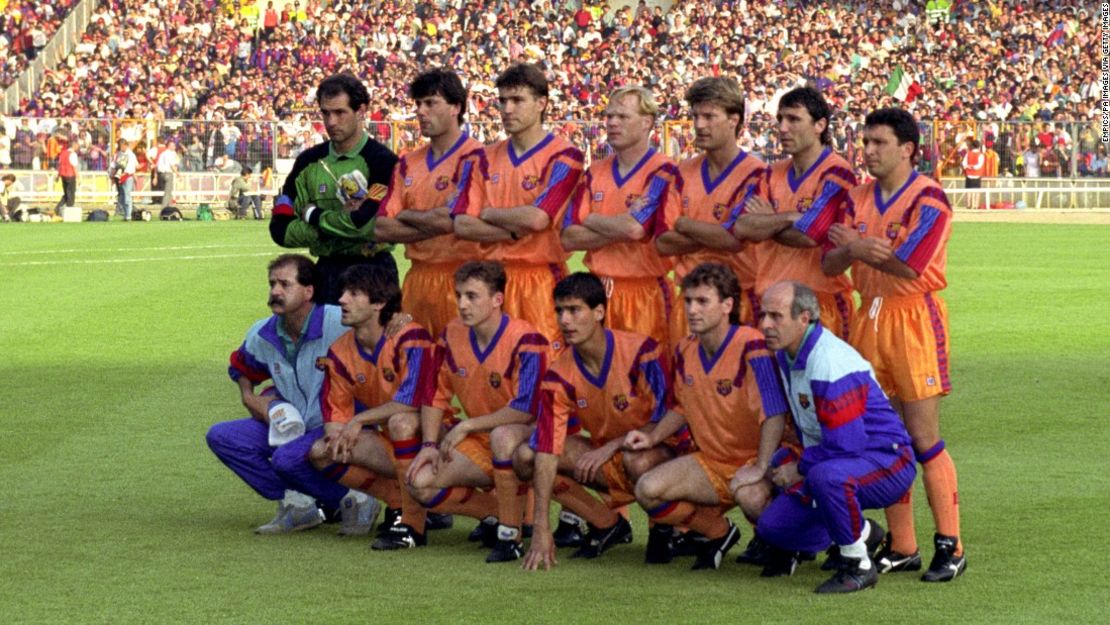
[113, 349]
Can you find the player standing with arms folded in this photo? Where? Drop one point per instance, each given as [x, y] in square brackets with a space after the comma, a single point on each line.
[616, 212]
[415, 208]
[896, 245]
[712, 188]
[331, 197]
[804, 196]
[511, 195]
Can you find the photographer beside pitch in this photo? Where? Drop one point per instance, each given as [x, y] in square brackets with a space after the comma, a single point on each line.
[269, 450]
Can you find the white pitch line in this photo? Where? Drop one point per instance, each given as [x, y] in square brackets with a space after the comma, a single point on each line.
[105, 261]
[128, 249]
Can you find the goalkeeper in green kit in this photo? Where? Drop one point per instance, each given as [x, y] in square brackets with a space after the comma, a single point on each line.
[330, 199]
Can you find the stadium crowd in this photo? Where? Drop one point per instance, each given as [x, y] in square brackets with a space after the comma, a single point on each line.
[25, 29]
[1006, 60]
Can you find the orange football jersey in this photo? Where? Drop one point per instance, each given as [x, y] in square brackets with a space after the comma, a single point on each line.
[718, 201]
[629, 391]
[507, 372]
[821, 195]
[544, 177]
[645, 192]
[727, 396]
[917, 221]
[422, 183]
[397, 369]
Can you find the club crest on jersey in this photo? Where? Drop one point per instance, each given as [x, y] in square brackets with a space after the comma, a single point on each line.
[277, 368]
[862, 228]
[530, 182]
[322, 189]
[408, 181]
[719, 211]
[322, 363]
[461, 372]
[803, 399]
[556, 346]
[931, 381]
[388, 374]
[582, 403]
[724, 387]
[804, 204]
[689, 380]
[598, 196]
[495, 380]
[494, 178]
[892, 231]
[620, 402]
[442, 182]
[361, 378]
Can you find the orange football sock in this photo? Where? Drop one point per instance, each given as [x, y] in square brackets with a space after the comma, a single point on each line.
[412, 513]
[477, 504]
[899, 517]
[708, 520]
[511, 495]
[365, 480]
[944, 498]
[579, 501]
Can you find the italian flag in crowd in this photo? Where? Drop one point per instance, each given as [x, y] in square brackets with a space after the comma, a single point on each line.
[902, 86]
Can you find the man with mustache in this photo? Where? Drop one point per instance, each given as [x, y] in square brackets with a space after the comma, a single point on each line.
[269, 450]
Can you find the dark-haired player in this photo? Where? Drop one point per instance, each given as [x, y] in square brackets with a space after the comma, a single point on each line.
[415, 209]
[727, 392]
[896, 245]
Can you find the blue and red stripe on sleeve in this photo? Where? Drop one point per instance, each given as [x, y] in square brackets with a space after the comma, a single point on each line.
[827, 207]
[465, 178]
[562, 178]
[933, 213]
[244, 364]
[582, 194]
[544, 439]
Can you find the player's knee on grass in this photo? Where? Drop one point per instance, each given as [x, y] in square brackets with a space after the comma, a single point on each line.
[524, 459]
[637, 463]
[421, 489]
[650, 489]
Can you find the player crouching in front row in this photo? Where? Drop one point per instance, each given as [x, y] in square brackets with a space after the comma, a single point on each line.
[383, 371]
[493, 364]
[726, 391]
[606, 384]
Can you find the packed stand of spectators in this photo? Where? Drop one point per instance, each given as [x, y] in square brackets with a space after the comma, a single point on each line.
[986, 61]
[25, 28]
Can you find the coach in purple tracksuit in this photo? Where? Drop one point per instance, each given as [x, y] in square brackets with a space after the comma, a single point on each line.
[857, 453]
[284, 348]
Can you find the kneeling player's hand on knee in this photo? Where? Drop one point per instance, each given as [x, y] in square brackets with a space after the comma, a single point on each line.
[786, 476]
